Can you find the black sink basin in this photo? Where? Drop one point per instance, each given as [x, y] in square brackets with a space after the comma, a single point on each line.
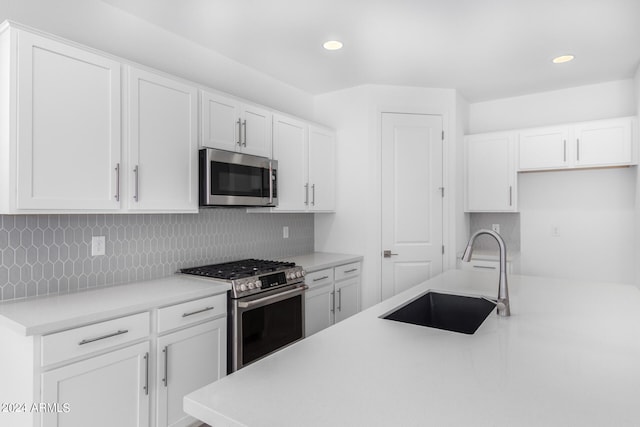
[445, 311]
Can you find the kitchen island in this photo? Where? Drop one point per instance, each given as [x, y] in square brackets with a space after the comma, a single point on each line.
[569, 355]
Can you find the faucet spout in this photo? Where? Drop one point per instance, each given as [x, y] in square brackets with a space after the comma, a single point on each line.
[503, 288]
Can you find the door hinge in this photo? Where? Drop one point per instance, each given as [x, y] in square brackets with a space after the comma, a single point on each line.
[442, 191]
[442, 249]
[443, 135]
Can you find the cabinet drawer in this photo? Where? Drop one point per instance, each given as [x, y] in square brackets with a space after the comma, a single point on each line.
[348, 270]
[91, 338]
[319, 278]
[190, 312]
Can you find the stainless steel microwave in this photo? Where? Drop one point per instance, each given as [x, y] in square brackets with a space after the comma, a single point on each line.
[235, 179]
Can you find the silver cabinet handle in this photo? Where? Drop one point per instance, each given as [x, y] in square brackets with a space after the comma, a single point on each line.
[387, 253]
[113, 334]
[333, 302]
[244, 127]
[146, 373]
[165, 380]
[136, 172]
[117, 182]
[313, 194]
[339, 299]
[320, 278]
[239, 141]
[510, 195]
[486, 267]
[197, 311]
[578, 149]
[306, 194]
[352, 270]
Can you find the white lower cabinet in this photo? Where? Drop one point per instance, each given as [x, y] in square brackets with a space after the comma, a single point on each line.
[102, 391]
[186, 361]
[333, 295]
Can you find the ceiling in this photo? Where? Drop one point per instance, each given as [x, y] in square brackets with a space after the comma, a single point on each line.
[486, 49]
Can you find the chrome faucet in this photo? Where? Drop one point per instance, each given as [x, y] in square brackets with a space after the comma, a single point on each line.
[503, 289]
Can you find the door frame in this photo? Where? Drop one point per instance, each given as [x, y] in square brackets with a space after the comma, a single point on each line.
[448, 202]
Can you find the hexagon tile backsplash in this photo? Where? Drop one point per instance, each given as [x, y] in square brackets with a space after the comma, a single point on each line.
[47, 254]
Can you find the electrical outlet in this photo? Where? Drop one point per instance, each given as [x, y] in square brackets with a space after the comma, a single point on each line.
[555, 231]
[97, 245]
[496, 228]
[285, 232]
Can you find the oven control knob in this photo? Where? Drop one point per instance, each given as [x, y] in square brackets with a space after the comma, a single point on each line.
[303, 273]
[258, 283]
[298, 274]
[251, 285]
[292, 275]
[243, 287]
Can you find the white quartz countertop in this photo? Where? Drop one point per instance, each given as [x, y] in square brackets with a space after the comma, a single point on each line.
[46, 314]
[315, 261]
[568, 356]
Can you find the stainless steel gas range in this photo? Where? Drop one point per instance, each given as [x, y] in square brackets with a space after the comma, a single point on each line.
[265, 306]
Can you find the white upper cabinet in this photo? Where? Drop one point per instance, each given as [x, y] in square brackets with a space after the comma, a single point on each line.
[64, 154]
[322, 169]
[599, 143]
[306, 165]
[163, 166]
[290, 150]
[604, 143]
[544, 148]
[490, 173]
[234, 126]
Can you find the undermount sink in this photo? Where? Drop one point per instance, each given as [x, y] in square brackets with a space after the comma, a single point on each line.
[456, 313]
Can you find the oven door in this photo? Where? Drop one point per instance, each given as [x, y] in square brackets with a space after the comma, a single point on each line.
[236, 179]
[265, 323]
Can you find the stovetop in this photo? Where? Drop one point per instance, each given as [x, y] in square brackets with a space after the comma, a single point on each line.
[251, 276]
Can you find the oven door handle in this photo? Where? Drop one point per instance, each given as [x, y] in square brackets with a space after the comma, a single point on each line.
[272, 298]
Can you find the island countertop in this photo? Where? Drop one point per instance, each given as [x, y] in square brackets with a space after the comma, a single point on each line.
[569, 355]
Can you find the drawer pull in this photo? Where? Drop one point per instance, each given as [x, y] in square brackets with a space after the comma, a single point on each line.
[320, 278]
[165, 380]
[146, 375]
[114, 334]
[351, 271]
[487, 267]
[197, 311]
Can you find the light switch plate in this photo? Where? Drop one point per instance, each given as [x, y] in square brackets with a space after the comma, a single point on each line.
[97, 245]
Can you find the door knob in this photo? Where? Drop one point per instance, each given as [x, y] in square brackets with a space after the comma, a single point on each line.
[388, 254]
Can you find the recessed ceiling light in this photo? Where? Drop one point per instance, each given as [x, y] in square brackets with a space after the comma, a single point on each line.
[562, 59]
[332, 45]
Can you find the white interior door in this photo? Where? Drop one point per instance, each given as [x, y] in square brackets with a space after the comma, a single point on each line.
[411, 200]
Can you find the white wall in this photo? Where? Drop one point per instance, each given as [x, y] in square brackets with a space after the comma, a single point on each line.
[355, 113]
[591, 102]
[102, 26]
[637, 253]
[593, 209]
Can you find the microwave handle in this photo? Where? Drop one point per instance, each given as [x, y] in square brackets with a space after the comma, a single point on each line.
[270, 183]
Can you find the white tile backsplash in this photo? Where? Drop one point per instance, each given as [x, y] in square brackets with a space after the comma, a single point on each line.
[47, 254]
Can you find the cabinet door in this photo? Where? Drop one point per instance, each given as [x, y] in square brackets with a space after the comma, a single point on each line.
[546, 148]
[256, 131]
[290, 150]
[319, 309]
[322, 169]
[188, 360]
[603, 143]
[220, 122]
[103, 391]
[347, 298]
[69, 131]
[163, 144]
[491, 176]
